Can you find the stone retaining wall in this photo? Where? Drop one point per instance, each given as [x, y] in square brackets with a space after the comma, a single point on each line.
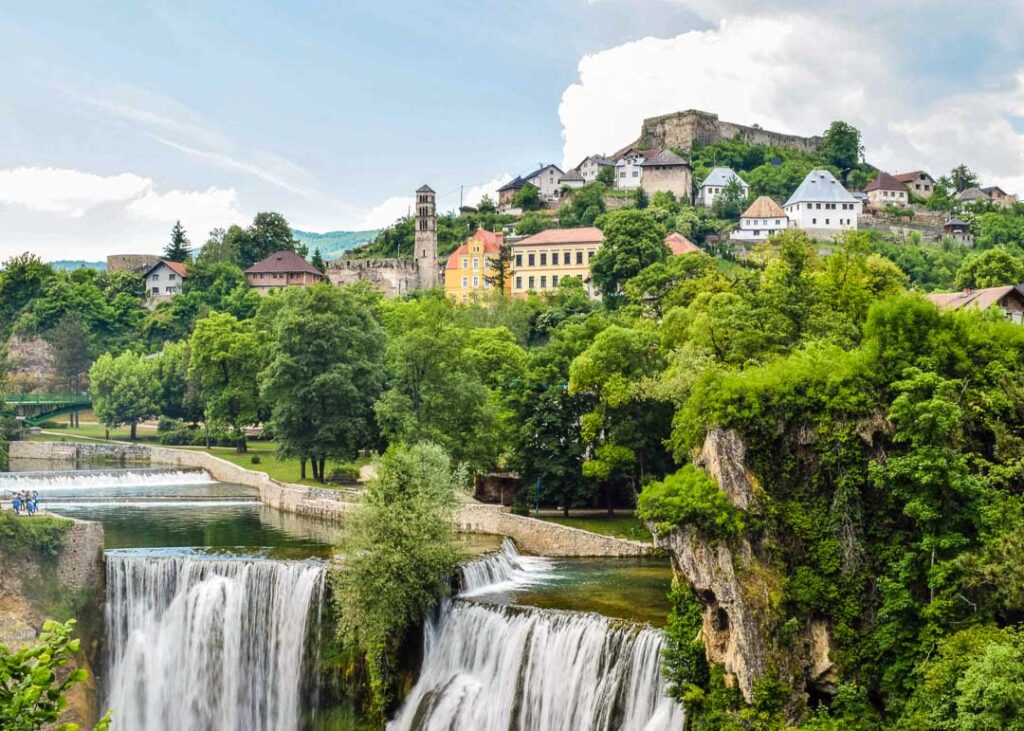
[531, 535]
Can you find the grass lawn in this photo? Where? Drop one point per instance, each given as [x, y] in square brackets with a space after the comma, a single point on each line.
[286, 470]
[621, 526]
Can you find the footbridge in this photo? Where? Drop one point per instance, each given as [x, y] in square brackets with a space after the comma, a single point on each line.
[36, 408]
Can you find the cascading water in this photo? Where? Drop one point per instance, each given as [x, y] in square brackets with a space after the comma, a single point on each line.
[499, 668]
[208, 645]
[45, 482]
[504, 570]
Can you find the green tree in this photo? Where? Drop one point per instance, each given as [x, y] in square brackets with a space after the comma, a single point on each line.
[34, 682]
[269, 232]
[532, 223]
[124, 390]
[225, 363]
[640, 198]
[218, 248]
[731, 202]
[586, 205]
[606, 175]
[325, 372]
[399, 553]
[633, 240]
[962, 177]
[178, 396]
[178, 249]
[318, 261]
[486, 205]
[501, 269]
[841, 146]
[990, 268]
[69, 344]
[23, 279]
[527, 198]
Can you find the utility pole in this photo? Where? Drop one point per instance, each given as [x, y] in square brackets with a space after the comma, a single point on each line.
[460, 195]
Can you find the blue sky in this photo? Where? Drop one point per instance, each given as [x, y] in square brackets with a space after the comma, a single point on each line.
[117, 118]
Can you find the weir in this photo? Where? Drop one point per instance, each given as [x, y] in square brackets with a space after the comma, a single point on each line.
[44, 482]
[198, 644]
[492, 668]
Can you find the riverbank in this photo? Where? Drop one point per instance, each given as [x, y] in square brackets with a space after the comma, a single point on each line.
[531, 535]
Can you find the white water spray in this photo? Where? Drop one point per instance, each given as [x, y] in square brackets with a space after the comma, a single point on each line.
[208, 645]
[505, 570]
[44, 482]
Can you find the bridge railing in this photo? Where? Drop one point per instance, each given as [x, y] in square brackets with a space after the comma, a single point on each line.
[46, 398]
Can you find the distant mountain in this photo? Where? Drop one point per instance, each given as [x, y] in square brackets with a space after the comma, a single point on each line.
[71, 264]
[334, 243]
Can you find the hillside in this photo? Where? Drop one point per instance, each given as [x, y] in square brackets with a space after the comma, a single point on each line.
[333, 244]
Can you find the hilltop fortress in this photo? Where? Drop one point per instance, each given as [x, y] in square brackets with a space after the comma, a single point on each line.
[680, 130]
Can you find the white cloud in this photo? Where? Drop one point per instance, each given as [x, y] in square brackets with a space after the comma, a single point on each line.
[70, 214]
[796, 66]
[67, 192]
[474, 194]
[385, 214]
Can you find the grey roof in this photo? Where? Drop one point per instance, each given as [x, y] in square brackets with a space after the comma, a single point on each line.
[664, 158]
[971, 194]
[541, 169]
[955, 222]
[599, 159]
[515, 184]
[821, 186]
[721, 177]
[424, 189]
[571, 175]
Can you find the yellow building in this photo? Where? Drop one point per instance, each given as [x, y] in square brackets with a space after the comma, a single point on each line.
[471, 265]
[541, 261]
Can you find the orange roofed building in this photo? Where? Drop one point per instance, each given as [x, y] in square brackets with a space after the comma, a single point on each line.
[679, 244]
[1009, 299]
[471, 267]
[282, 269]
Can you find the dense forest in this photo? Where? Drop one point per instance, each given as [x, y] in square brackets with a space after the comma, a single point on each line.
[886, 437]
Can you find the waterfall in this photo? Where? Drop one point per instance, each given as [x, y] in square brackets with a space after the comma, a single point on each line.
[44, 482]
[492, 668]
[504, 570]
[208, 645]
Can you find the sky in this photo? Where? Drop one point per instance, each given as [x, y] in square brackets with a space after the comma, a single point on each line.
[118, 118]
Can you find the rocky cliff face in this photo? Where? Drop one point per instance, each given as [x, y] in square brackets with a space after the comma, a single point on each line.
[34, 589]
[739, 588]
[31, 363]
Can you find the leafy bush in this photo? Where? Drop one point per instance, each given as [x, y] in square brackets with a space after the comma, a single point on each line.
[255, 459]
[42, 536]
[690, 497]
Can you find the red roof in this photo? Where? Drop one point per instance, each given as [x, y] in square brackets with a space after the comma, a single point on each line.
[175, 266]
[679, 244]
[884, 181]
[981, 299]
[585, 235]
[491, 242]
[283, 262]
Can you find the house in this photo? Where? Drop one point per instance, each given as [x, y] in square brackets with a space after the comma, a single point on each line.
[282, 269]
[679, 244]
[164, 280]
[508, 191]
[541, 261]
[545, 179]
[471, 266]
[571, 179]
[629, 169]
[885, 190]
[972, 195]
[999, 196]
[918, 182]
[664, 171]
[1009, 299]
[958, 230]
[592, 167]
[822, 204]
[715, 183]
[761, 220]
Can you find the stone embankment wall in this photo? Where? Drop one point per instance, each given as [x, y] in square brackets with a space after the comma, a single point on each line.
[531, 535]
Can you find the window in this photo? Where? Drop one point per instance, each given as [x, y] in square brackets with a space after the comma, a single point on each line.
[590, 255]
[543, 258]
[476, 262]
[579, 257]
[817, 206]
[529, 282]
[554, 258]
[810, 206]
[826, 222]
[171, 276]
[465, 262]
[543, 282]
[465, 298]
[567, 257]
[155, 277]
[636, 173]
[156, 290]
[465, 282]
[814, 220]
[554, 280]
[622, 174]
[476, 282]
[519, 260]
[519, 282]
[530, 259]
[170, 290]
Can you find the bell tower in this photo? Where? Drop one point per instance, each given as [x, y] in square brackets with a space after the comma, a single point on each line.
[425, 252]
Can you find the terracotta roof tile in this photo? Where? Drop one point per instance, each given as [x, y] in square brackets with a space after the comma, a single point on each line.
[586, 235]
[679, 244]
[764, 207]
[491, 241]
[884, 181]
[980, 299]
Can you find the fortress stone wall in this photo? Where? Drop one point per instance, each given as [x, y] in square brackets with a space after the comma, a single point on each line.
[681, 129]
[392, 277]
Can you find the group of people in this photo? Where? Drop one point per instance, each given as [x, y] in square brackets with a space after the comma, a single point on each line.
[25, 500]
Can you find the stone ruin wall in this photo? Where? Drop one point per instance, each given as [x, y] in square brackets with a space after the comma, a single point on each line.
[682, 129]
[389, 276]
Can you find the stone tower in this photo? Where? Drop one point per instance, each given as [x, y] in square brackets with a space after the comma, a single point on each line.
[425, 252]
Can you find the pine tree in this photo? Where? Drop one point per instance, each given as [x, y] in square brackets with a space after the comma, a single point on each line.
[318, 261]
[179, 249]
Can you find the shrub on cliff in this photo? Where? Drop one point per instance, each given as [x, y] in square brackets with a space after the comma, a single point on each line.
[690, 497]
